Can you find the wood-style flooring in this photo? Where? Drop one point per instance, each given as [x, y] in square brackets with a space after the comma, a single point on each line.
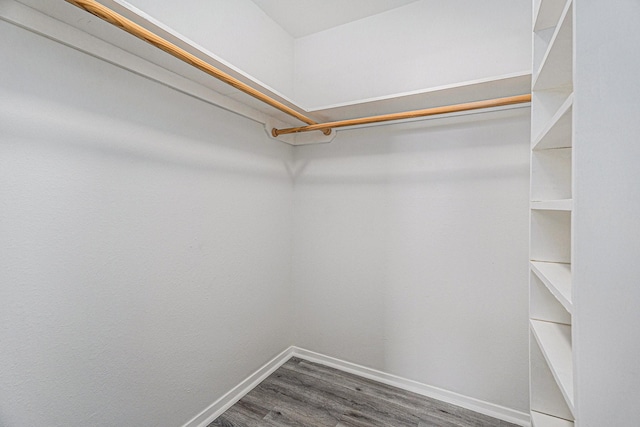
[306, 394]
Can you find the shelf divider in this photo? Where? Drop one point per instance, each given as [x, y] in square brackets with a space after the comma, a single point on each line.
[553, 205]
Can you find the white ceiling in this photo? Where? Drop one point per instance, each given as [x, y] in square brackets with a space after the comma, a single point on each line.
[303, 17]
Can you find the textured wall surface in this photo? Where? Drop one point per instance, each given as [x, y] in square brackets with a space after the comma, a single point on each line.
[410, 253]
[145, 244]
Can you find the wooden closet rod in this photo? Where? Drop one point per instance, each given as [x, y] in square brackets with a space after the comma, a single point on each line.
[112, 17]
[131, 27]
[498, 102]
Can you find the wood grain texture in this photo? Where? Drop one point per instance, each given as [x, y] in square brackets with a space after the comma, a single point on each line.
[302, 393]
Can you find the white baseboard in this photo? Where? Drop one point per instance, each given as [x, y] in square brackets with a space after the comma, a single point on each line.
[225, 402]
[216, 409]
[490, 409]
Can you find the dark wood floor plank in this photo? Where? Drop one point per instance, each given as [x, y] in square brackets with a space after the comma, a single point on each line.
[305, 394]
[458, 419]
[255, 408]
[423, 406]
[295, 406]
[237, 416]
[409, 400]
[316, 401]
[437, 423]
[356, 419]
[287, 416]
[404, 398]
[379, 411]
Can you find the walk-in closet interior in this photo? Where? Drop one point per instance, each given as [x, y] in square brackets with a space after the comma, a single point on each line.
[188, 207]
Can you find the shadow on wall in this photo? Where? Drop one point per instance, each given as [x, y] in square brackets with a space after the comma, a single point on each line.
[227, 144]
[366, 156]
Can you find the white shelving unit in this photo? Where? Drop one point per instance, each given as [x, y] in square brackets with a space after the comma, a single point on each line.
[550, 286]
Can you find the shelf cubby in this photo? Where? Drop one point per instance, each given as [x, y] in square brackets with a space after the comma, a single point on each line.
[557, 279]
[542, 40]
[545, 105]
[550, 236]
[546, 396]
[543, 304]
[551, 174]
[546, 13]
[556, 132]
[556, 66]
[554, 341]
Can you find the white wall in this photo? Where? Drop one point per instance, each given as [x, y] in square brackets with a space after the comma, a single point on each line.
[425, 44]
[145, 244]
[607, 213]
[410, 252]
[237, 31]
